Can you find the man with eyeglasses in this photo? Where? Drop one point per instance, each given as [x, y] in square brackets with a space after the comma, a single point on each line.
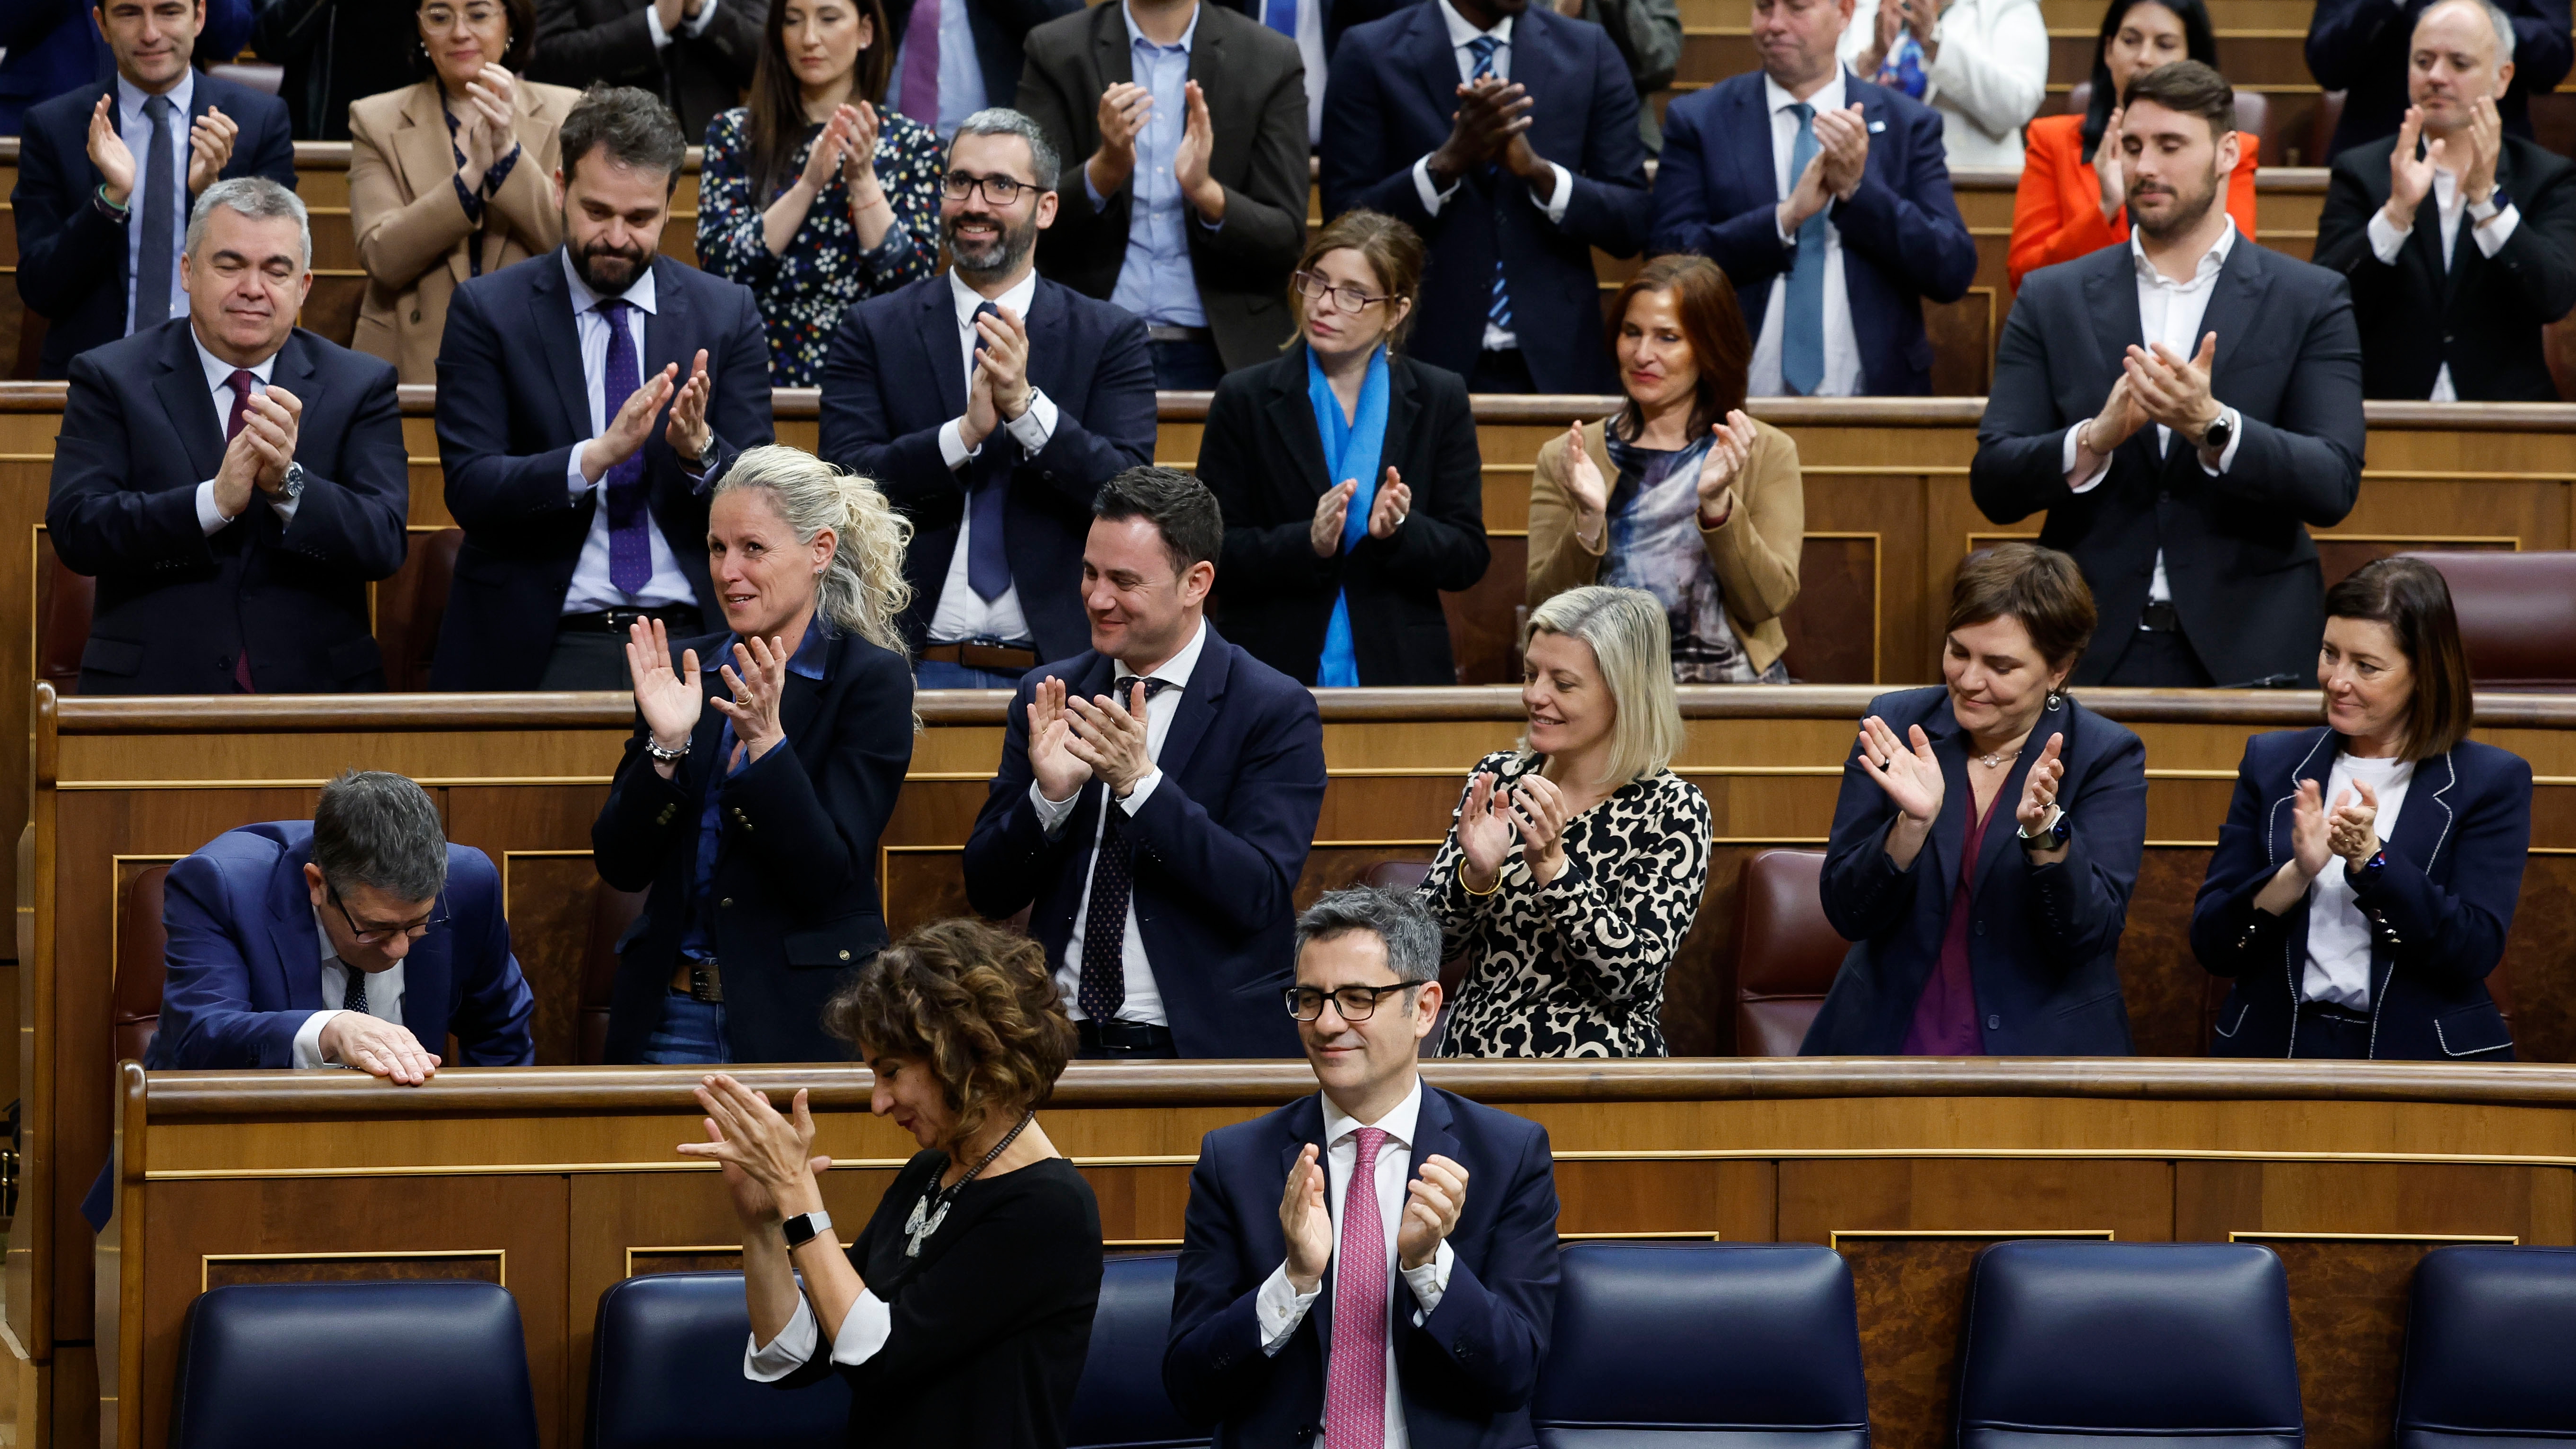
[991, 404]
[1430, 1220]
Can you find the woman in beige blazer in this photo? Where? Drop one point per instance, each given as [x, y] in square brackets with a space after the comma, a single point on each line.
[449, 178]
[1680, 493]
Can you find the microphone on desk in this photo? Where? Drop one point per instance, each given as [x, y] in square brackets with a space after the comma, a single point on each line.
[2283, 680]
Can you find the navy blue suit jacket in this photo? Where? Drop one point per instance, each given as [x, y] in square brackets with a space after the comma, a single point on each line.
[2044, 950]
[1466, 1373]
[71, 258]
[1393, 90]
[513, 404]
[1903, 241]
[52, 45]
[245, 967]
[2439, 909]
[1218, 846]
[897, 372]
[2360, 47]
[140, 432]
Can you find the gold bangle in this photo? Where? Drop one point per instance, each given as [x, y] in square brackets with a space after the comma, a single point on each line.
[1471, 890]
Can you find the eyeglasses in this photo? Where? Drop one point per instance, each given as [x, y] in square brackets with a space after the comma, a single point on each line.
[379, 935]
[1348, 299]
[998, 190]
[1355, 1003]
[442, 17]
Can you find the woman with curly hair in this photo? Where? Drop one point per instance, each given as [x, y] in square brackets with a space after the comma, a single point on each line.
[752, 795]
[961, 1313]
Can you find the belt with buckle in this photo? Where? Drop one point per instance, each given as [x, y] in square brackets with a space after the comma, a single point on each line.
[978, 655]
[1201, 335]
[2159, 618]
[1124, 1036]
[617, 621]
[698, 981]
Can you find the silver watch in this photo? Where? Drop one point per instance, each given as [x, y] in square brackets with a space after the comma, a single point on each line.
[293, 487]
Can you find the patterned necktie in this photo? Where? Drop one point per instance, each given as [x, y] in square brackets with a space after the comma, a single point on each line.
[241, 383]
[1498, 309]
[921, 63]
[1802, 330]
[1355, 1377]
[988, 482]
[354, 996]
[160, 219]
[1113, 878]
[630, 547]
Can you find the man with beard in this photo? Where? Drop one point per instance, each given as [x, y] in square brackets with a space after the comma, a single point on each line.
[2184, 408]
[588, 399]
[990, 404]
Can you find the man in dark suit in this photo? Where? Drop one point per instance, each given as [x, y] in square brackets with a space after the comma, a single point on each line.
[957, 57]
[107, 173]
[333, 52]
[697, 55]
[1378, 1257]
[1507, 135]
[2362, 48]
[1317, 27]
[51, 46]
[2440, 319]
[1826, 199]
[1192, 207]
[1156, 798]
[581, 427]
[234, 483]
[990, 404]
[2184, 408]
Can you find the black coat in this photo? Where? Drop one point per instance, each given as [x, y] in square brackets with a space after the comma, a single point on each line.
[1263, 457]
[699, 77]
[2480, 315]
[2360, 47]
[335, 52]
[2440, 909]
[795, 882]
[2243, 570]
[140, 432]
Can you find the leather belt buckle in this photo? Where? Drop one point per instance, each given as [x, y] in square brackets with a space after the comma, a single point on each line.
[977, 654]
[705, 982]
[2159, 617]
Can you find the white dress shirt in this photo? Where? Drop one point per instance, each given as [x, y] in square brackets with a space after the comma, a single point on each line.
[1461, 35]
[136, 130]
[219, 375]
[384, 1001]
[690, 28]
[1842, 344]
[2170, 312]
[2338, 969]
[1987, 80]
[591, 590]
[2386, 242]
[962, 613]
[1144, 1000]
[1280, 1307]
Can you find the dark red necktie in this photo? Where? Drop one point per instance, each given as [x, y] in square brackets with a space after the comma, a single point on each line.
[240, 382]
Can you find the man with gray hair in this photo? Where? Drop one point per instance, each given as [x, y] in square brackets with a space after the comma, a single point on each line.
[2459, 238]
[232, 481]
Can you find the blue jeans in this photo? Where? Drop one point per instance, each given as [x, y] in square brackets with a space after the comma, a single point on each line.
[940, 674]
[691, 1033]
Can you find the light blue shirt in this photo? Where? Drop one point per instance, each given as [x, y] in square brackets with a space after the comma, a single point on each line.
[1156, 281]
[136, 128]
[961, 72]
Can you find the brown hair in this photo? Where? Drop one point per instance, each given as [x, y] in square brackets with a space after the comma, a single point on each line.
[516, 55]
[2189, 88]
[974, 1004]
[1712, 324]
[1393, 250]
[777, 101]
[2412, 598]
[2039, 588]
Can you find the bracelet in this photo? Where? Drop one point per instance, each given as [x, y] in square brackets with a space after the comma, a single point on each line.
[114, 211]
[662, 756]
[1471, 890]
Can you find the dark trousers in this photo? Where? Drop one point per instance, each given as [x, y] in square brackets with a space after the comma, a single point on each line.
[2331, 1034]
[586, 659]
[1187, 366]
[1501, 372]
[2159, 659]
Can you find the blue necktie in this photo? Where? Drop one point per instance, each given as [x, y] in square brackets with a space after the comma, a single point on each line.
[1281, 15]
[988, 568]
[162, 210]
[1498, 311]
[1802, 331]
[630, 548]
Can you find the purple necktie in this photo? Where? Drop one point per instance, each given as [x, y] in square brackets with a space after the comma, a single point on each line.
[921, 63]
[241, 382]
[630, 546]
[988, 482]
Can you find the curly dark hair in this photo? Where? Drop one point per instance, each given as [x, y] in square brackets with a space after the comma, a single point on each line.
[975, 1004]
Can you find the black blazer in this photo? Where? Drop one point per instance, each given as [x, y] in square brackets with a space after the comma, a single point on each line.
[583, 41]
[1256, 96]
[513, 404]
[1219, 846]
[2243, 571]
[795, 882]
[2360, 47]
[140, 432]
[2045, 949]
[335, 52]
[2440, 908]
[1389, 104]
[1264, 459]
[896, 373]
[2482, 316]
[71, 258]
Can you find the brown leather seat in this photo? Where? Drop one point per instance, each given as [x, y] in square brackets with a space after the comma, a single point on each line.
[2253, 113]
[1786, 953]
[611, 912]
[410, 605]
[63, 603]
[2321, 128]
[2517, 616]
[134, 1014]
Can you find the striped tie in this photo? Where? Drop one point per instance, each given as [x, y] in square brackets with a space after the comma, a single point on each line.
[1498, 312]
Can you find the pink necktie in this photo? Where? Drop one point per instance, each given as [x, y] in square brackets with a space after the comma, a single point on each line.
[1355, 1380]
[240, 382]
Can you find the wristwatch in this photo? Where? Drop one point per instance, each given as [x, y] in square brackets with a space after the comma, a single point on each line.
[804, 1228]
[2485, 210]
[293, 487]
[2214, 440]
[2053, 838]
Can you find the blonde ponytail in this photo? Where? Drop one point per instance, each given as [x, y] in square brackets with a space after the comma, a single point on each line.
[862, 590]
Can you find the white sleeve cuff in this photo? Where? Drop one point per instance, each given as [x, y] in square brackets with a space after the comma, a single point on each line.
[2067, 466]
[952, 444]
[285, 508]
[788, 1352]
[308, 1040]
[1280, 1309]
[653, 27]
[2386, 241]
[1035, 424]
[1429, 1282]
[1051, 813]
[1144, 790]
[864, 1330]
[1431, 197]
[706, 17]
[1558, 198]
[209, 517]
[575, 484]
[2496, 231]
[2235, 440]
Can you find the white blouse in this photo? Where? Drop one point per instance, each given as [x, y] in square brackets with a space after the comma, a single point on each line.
[2338, 936]
[1987, 81]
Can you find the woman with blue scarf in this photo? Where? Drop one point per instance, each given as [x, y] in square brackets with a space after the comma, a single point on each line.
[1333, 563]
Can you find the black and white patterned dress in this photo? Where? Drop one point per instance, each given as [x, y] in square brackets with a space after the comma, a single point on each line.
[1575, 968]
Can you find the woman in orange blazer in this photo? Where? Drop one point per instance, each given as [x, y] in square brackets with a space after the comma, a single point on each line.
[448, 179]
[2066, 207]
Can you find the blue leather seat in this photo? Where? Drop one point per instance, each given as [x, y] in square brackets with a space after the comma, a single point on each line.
[1120, 1403]
[2146, 1345]
[1705, 1345]
[2488, 1357]
[390, 1365]
[666, 1373]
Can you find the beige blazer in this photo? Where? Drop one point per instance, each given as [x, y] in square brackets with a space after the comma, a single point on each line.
[1755, 550]
[412, 231]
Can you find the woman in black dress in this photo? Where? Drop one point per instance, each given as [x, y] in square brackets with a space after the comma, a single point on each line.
[961, 1313]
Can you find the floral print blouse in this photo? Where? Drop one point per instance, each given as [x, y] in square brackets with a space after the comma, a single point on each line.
[803, 293]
